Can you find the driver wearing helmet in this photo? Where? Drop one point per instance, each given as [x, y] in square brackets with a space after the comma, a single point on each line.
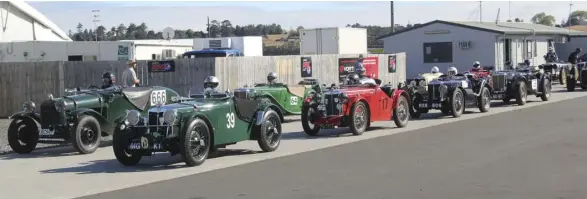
[574, 56]
[434, 70]
[452, 71]
[361, 72]
[353, 79]
[271, 78]
[108, 80]
[476, 66]
[210, 85]
[551, 55]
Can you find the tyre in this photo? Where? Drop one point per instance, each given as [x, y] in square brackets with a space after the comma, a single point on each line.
[401, 113]
[270, 132]
[309, 128]
[195, 143]
[562, 77]
[445, 109]
[484, 100]
[416, 111]
[457, 103]
[359, 118]
[546, 90]
[120, 141]
[506, 100]
[571, 84]
[521, 95]
[86, 134]
[23, 135]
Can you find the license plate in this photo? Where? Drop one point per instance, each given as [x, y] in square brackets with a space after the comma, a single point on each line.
[46, 132]
[134, 145]
[498, 96]
[327, 126]
[436, 105]
[144, 145]
[423, 105]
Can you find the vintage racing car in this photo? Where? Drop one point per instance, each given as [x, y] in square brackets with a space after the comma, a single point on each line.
[287, 97]
[355, 106]
[575, 76]
[521, 82]
[81, 118]
[198, 126]
[556, 70]
[452, 94]
[419, 81]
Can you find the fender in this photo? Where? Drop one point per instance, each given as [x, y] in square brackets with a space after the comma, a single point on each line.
[397, 94]
[354, 99]
[260, 114]
[205, 119]
[22, 114]
[106, 126]
[273, 101]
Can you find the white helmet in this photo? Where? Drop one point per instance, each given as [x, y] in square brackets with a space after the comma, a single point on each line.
[271, 77]
[550, 49]
[434, 69]
[452, 71]
[476, 64]
[211, 83]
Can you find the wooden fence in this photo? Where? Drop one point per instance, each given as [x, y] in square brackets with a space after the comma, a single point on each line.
[23, 81]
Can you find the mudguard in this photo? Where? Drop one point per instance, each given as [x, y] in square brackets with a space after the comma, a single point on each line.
[22, 114]
[261, 112]
[397, 94]
[106, 126]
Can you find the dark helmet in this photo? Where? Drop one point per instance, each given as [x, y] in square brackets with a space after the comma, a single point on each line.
[108, 79]
[527, 62]
[578, 49]
[271, 77]
[353, 77]
[361, 58]
[476, 64]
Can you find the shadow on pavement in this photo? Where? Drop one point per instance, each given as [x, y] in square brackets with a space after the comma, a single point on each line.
[329, 133]
[54, 151]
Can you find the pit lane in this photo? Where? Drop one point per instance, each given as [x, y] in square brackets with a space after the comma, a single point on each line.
[61, 173]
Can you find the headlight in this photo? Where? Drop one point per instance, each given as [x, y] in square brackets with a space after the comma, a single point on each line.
[170, 116]
[344, 97]
[133, 117]
[60, 106]
[422, 89]
[413, 83]
[28, 106]
[443, 89]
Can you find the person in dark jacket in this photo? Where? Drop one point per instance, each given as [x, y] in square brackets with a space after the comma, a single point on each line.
[574, 56]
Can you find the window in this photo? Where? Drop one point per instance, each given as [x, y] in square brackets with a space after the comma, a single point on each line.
[75, 58]
[529, 45]
[438, 52]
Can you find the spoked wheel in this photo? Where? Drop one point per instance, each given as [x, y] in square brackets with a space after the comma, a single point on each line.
[563, 76]
[87, 134]
[194, 144]
[484, 100]
[270, 132]
[120, 142]
[522, 94]
[401, 113]
[416, 111]
[309, 128]
[23, 135]
[359, 118]
[457, 103]
[546, 90]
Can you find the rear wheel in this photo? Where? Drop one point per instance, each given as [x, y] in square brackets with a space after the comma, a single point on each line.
[120, 141]
[270, 132]
[401, 112]
[359, 118]
[571, 84]
[23, 135]
[546, 90]
[195, 143]
[309, 128]
[562, 76]
[87, 134]
[521, 95]
[484, 100]
[457, 106]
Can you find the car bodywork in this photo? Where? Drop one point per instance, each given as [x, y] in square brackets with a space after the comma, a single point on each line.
[287, 97]
[228, 118]
[520, 82]
[419, 81]
[355, 106]
[59, 117]
[556, 70]
[452, 94]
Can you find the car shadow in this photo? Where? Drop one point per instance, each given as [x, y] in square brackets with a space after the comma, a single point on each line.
[329, 133]
[158, 161]
[52, 151]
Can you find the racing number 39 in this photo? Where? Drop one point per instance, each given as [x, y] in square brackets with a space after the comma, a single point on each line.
[230, 120]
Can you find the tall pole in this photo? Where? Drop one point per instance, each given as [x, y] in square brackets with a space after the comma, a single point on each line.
[480, 12]
[96, 21]
[392, 22]
[208, 27]
[510, 11]
[569, 18]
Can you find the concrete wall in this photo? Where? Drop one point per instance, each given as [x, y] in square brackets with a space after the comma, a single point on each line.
[25, 81]
[19, 26]
[60, 50]
[411, 42]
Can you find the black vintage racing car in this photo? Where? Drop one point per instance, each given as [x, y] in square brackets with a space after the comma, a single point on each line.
[556, 70]
[521, 82]
[576, 76]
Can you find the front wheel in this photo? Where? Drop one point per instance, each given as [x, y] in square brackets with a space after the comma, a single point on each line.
[562, 76]
[86, 134]
[484, 100]
[546, 90]
[309, 128]
[457, 106]
[571, 84]
[416, 111]
[270, 132]
[23, 135]
[522, 95]
[359, 118]
[120, 142]
[195, 143]
[401, 112]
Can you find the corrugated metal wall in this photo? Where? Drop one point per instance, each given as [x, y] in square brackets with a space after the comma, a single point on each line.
[21, 82]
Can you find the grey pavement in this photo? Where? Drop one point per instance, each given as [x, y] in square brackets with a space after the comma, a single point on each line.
[532, 153]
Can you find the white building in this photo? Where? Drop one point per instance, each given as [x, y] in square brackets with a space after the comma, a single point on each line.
[21, 22]
[153, 49]
[444, 44]
[333, 41]
[248, 45]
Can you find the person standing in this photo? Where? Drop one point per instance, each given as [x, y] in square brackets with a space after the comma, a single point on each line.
[574, 56]
[129, 76]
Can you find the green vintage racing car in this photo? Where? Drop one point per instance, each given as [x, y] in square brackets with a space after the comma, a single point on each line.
[81, 117]
[198, 126]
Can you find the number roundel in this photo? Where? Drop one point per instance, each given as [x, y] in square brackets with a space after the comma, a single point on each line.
[158, 97]
[230, 120]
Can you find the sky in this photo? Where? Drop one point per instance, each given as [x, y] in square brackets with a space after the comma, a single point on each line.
[184, 15]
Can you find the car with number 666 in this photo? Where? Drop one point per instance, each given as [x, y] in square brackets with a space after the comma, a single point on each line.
[81, 117]
[198, 126]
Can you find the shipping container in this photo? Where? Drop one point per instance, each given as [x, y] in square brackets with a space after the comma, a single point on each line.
[248, 46]
[333, 41]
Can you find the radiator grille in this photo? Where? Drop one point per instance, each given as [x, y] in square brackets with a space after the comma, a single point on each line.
[49, 115]
[433, 91]
[499, 82]
[332, 101]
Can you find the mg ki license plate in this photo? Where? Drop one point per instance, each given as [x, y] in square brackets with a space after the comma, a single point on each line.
[144, 144]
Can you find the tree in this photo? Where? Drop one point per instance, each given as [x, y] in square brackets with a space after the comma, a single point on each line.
[577, 17]
[518, 20]
[544, 19]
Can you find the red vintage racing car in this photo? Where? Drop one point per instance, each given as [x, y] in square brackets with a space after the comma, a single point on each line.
[355, 106]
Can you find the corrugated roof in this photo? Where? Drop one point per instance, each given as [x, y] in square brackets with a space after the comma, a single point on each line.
[579, 28]
[40, 18]
[517, 28]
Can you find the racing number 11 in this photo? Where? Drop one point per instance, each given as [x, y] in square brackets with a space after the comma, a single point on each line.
[383, 103]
